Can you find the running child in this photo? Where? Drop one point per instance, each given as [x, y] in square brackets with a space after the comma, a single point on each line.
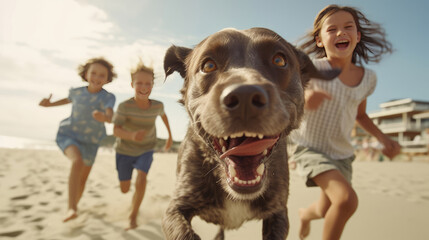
[135, 130]
[80, 134]
[342, 38]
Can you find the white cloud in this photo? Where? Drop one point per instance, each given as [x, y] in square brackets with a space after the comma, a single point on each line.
[61, 26]
[42, 43]
[39, 46]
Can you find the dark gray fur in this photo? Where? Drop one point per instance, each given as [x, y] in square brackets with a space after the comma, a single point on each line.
[242, 58]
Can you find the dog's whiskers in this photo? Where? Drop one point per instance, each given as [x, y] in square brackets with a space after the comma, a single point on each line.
[212, 170]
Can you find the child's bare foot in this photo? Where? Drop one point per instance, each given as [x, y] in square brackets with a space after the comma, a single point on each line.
[304, 229]
[292, 165]
[133, 223]
[71, 214]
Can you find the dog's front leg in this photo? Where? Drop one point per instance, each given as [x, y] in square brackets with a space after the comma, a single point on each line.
[176, 224]
[276, 227]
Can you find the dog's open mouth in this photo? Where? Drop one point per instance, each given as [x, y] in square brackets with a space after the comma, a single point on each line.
[243, 155]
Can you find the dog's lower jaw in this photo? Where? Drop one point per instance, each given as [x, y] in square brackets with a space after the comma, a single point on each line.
[243, 193]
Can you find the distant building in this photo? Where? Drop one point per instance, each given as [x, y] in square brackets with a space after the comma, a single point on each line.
[402, 119]
[405, 120]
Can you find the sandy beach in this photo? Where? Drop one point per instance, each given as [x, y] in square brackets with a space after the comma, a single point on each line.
[393, 201]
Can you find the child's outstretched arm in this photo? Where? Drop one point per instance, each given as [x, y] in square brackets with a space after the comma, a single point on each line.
[391, 147]
[137, 136]
[103, 117]
[46, 102]
[313, 99]
[170, 138]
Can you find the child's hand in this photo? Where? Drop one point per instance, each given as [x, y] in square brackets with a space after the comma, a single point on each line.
[391, 147]
[99, 116]
[315, 98]
[46, 102]
[139, 135]
[168, 144]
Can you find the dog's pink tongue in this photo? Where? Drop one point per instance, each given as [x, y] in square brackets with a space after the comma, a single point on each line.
[250, 147]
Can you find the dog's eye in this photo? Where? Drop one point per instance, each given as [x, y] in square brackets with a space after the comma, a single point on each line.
[209, 66]
[279, 60]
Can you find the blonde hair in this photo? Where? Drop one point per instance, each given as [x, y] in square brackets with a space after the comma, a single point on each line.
[83, 68]
[372, 45]
[142, 68]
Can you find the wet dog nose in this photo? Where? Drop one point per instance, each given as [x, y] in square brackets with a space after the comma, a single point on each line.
[244, 101]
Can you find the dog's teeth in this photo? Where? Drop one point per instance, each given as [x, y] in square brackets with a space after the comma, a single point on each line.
[223, 149]
[236, 179]
[232, 172]
[260, 136]
[221, 142]
[260, 170]
[250, 134]
[225, 138]
[258, 179]
[236, 135]
[265, 152]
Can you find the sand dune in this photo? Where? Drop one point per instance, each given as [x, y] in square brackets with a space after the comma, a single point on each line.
[393, 201]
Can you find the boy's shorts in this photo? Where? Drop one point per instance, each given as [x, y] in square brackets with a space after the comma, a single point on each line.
[125, 164]
[311, 163]
[88, 151]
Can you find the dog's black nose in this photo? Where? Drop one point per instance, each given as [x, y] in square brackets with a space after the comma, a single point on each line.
[244, 101]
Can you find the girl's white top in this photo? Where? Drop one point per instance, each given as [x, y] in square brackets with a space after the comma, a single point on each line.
[328, 128]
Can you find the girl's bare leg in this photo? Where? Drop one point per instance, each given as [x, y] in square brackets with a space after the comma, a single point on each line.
[78, 174]
[343, 201]
[316, 210]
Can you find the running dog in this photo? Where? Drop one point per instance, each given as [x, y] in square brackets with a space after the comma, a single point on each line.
[244, 93]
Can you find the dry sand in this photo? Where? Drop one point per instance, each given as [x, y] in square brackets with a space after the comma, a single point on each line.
[393, 201]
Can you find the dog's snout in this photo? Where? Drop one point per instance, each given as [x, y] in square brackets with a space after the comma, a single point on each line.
[244, 101]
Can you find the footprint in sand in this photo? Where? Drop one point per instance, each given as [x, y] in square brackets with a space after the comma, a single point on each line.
[163, 197]
[56, 209]
[11, 234]
[22, 197]
[37, 219]
[24, 206]
[425, 197]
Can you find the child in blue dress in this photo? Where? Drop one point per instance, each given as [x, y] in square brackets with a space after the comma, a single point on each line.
[80, 134]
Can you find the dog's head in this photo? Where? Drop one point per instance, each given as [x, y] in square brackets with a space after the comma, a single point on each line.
[243, 91]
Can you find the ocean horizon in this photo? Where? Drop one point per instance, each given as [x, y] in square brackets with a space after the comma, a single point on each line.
[26, 143]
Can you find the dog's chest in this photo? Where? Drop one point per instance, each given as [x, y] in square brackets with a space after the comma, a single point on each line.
[235, 213]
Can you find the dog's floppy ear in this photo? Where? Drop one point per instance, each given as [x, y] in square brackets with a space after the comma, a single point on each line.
[174, 60]
[308, 70]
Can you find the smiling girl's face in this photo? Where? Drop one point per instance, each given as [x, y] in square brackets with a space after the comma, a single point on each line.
[96, 76]
[339, 36]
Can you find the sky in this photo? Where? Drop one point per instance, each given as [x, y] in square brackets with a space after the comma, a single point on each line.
[43, 42]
